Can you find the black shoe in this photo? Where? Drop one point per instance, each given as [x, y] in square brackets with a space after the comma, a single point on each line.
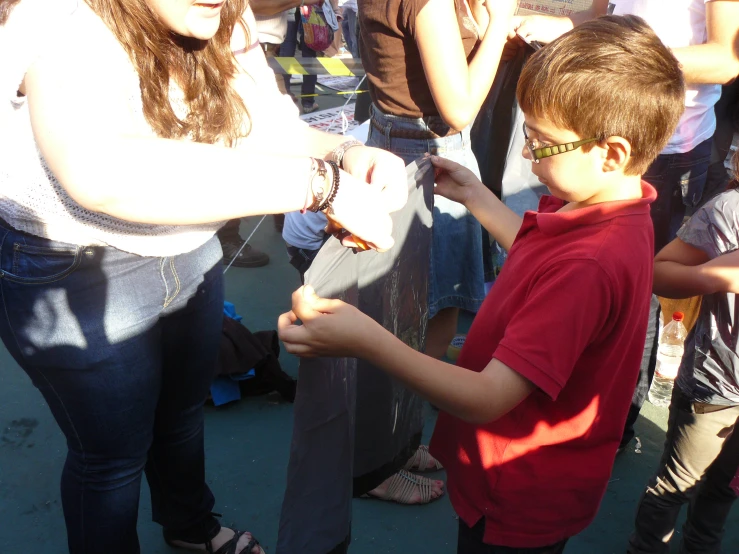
[248, 257]
[310, 108]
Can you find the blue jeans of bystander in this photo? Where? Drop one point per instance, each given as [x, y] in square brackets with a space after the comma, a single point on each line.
[123, 349]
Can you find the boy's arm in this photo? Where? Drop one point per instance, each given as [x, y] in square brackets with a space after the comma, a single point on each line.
[497, 218]
[716, 61]
[471, 396]
[683, 271]
[532, 354]
[456, 182]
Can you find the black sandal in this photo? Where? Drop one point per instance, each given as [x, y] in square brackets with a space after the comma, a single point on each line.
[229, 547]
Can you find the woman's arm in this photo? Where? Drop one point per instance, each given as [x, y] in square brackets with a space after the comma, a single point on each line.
[109, 163]
[460, 89]
[717, 61]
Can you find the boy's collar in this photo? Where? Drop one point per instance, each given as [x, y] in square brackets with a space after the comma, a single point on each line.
[553, 222]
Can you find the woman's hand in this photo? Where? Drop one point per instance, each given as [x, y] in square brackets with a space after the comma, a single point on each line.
[330, 327]
[501, 10]
[382, 170]
[540, 28]
[363, 211]
[454, 181]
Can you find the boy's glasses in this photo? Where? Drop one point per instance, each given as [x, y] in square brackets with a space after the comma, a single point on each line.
[540, 152]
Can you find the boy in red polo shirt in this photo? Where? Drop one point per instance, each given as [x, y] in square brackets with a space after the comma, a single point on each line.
[534, 411]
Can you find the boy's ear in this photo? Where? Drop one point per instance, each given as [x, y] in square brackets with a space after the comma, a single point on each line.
[617, 153]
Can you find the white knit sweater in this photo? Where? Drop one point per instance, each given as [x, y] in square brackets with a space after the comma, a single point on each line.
[31, 198]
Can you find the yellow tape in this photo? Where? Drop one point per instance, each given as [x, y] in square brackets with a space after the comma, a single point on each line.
[335, 67]
[291, 66]
[331, 93]
[338, 67]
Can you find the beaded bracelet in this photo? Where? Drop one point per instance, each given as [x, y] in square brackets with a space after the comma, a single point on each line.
[327, 206]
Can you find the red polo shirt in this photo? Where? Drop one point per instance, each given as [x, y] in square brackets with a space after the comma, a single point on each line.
[569, 312]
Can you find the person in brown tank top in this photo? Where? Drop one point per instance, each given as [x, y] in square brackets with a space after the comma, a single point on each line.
[430, 65]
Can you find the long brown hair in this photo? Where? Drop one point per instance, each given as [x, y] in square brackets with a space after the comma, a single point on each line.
[5, 7]
[203, 69]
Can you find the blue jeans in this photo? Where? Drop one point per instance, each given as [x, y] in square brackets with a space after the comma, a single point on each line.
[349, 27]
[457, 276]
[301, 258]
[679, 180]
[123, 349]
[646, 370]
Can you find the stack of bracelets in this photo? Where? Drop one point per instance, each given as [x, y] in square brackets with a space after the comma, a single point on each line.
[321, 202]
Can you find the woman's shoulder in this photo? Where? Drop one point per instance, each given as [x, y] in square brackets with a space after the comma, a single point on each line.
[32, 27]
[84, 44]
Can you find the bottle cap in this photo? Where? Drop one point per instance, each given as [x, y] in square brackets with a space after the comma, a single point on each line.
[678, 316]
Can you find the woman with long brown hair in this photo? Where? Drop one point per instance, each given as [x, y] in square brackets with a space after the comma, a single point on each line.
[135, 127]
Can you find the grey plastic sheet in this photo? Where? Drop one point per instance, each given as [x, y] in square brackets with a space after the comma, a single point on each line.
[350, 418]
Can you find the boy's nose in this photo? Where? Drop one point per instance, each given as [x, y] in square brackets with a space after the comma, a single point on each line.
[526, 153]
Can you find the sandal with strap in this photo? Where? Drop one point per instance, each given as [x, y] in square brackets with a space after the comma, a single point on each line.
[402, 485]
[229, 547]
[422, 460]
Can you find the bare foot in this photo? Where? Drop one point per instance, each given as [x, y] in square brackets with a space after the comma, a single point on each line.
[223, 536]
[408, 488]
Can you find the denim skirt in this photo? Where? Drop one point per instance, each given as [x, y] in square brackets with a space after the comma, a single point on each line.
[457, 275]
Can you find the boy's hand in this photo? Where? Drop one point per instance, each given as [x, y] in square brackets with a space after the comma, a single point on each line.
[454, 181]
[330, 327]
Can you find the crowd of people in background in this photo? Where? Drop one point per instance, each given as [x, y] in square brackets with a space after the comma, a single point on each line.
[630, 108]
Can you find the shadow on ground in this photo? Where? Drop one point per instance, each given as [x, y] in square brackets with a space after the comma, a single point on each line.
[247, 448]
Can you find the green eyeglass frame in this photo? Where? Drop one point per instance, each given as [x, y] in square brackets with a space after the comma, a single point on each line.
[549, 151]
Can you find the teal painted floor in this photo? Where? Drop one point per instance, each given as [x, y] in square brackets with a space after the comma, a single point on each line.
[247, 450]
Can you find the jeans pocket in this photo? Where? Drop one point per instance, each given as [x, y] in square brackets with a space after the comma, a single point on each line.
[34, 264]
[692, 186]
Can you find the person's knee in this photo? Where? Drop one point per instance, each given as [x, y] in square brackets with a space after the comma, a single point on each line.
[105, 473]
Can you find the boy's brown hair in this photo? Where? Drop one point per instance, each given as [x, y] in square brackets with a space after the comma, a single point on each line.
[611, 76]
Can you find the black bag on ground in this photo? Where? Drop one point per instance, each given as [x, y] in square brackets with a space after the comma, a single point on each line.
[241, 350]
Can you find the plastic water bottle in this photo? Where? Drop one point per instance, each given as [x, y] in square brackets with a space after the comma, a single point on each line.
[669, 356]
